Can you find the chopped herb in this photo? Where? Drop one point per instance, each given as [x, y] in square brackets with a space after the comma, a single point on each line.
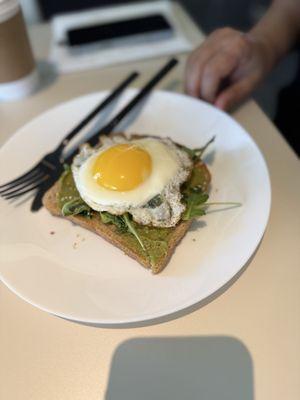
[155, 202]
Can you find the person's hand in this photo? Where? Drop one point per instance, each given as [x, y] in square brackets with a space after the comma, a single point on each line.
[227, 67]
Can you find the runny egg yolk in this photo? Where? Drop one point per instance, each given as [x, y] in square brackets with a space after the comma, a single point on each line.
[122, 167]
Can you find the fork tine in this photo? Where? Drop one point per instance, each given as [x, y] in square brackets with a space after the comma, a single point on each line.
[25, 181]
[20, 178]
[18, 201]
[20, 187]
[18, 193]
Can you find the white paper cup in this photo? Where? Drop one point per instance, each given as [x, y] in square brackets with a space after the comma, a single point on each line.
[18, 74]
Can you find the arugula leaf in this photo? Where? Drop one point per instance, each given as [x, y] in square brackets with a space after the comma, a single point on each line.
[201, 150]
[191, 152]
[116, 220]
[195, 201]
[224, 203]
[196, 154]
[124, 224]
[132, 230]
[76, 206]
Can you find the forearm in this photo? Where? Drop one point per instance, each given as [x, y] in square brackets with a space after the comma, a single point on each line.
[279, 29]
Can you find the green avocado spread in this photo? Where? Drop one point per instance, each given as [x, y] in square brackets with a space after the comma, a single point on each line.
[67, 190]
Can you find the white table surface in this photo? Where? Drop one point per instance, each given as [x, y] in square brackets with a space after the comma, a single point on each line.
[45, 357]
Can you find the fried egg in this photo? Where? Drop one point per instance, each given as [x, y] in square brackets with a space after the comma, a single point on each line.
[125, 175]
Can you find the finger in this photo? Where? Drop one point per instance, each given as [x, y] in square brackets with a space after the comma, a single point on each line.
[235, 94]
[198, 59]
[194, 68]
[200, 56]
[215, 71]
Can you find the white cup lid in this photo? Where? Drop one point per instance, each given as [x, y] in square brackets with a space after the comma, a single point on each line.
[8, 8]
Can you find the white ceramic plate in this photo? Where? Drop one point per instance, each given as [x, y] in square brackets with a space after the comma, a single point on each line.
[70, 272]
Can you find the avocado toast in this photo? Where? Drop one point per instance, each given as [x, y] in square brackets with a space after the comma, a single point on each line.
[151, 246]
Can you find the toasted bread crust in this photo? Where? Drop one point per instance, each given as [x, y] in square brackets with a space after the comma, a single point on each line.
[109, 233]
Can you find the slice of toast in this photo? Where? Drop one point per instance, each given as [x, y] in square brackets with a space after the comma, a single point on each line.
[122, 241]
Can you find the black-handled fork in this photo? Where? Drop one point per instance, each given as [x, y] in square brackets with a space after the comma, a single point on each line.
[37, 202]
[54, 169]
[48, 165]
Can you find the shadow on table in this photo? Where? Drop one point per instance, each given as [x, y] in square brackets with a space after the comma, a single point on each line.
[47, 74]
[177, 368]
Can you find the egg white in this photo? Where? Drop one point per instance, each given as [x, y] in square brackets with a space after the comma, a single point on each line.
[165, 165]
